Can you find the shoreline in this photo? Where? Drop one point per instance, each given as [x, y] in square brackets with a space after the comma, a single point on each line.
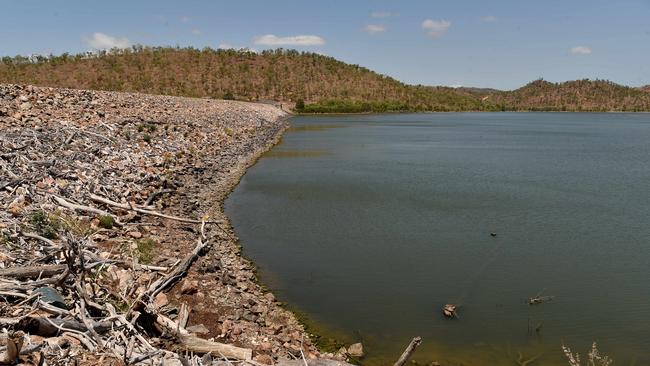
[177, 156]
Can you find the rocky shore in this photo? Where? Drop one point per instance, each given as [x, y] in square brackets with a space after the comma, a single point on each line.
[114, 247]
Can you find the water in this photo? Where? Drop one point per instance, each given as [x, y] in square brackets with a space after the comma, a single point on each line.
[369, 224]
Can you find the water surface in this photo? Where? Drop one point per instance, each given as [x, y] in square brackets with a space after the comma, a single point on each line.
[369, 224]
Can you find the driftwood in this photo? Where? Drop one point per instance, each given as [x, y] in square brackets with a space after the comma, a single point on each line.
[25, 272]
[408, 351]
[128, 207]
[449, 310]
[179, 272]
[76, 207]
[48, 327]
[195, 344]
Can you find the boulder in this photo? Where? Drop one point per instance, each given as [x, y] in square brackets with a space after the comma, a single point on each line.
[356, 350]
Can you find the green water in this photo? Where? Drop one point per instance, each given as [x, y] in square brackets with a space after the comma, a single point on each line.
[369, 224]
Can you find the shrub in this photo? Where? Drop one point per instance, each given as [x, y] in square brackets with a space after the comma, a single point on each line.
[106, 222]
[45, 225]
[147, 138]
[145, 250]
[228, 96]
[300, 104]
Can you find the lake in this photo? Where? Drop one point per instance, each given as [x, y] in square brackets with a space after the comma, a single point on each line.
[369, 224]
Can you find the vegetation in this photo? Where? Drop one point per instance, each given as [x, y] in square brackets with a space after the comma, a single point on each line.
[106, 222]
[45, 225]
[145, 249]
[575, 96]
[280, 75]
[309, 82]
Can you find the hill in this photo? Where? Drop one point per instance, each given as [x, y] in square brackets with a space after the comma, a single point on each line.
[313, 82]
[578, 95]
[325, 83]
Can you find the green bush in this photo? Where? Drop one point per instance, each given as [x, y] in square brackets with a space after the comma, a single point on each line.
[106, 222]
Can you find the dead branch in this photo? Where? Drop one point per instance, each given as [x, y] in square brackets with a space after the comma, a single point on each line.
[408, 351]
[127, 207]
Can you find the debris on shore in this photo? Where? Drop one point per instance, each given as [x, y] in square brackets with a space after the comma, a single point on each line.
[114, 248]
[449, 311]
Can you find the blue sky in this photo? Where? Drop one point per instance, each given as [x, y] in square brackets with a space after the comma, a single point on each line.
[500, 44]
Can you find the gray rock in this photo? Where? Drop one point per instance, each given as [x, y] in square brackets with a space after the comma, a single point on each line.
[356, 350]
[199, 329]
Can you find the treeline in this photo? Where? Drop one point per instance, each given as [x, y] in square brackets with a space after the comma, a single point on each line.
[322, 84]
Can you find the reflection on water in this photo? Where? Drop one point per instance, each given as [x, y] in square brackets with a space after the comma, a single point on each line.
[372, 228]
[278, 153]
[313, 127]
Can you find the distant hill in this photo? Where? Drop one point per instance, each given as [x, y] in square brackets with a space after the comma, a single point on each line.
[578, 95]
[313, 82]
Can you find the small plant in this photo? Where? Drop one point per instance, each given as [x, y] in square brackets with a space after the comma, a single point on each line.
[4, 238]
[46, 225]
[228, 131]
[595, 358]
[106, 222]
[150, 127]
[228, 96]
[147, 138]
[127, 135]
[145, 250]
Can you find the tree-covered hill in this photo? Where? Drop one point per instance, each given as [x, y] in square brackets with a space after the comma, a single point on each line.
[320, 83]
[281, 75]
[578, 95]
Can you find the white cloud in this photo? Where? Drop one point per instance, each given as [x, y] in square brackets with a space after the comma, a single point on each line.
[581, 50]
[101, 41]
[185, 19]
[375, 28]
[383, 14]
[436, 28]
[489, 18]
[196, 31]
[225, 46]
[302, 40]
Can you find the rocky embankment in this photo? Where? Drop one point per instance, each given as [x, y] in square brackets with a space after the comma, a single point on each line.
[113, 244]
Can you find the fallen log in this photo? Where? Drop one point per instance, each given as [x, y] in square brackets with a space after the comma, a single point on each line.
[408, 351]
[76, 207]
[30, 272]
[50, 327]
[128, 207]
[195, 344]
[179, 272]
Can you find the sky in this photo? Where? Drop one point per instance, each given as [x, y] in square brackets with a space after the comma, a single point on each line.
[498, 44]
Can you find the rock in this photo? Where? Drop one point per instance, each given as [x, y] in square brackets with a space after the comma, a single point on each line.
[270, 297]
[26, 105]
[266, 346]
[52, 297]
[161, 300]
[190, 287]
[263, 359]
[355, 350]
[199, 329]
[135, 234]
